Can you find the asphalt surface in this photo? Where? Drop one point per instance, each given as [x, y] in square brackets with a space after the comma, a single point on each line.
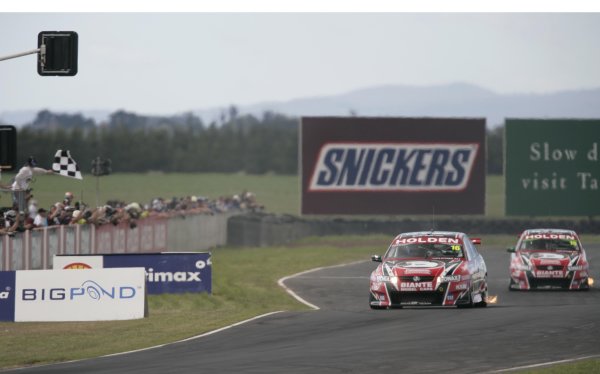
[346, 336]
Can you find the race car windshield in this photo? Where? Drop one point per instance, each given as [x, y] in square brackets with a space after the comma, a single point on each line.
[425, 250]
[549, 245]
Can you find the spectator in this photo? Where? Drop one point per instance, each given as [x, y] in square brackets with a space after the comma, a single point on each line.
[32, 209]
[54, 214]
[134, 210]
[3, 229]
[77, 218]
[41, 219]
[26, 223]
[66, 215]
[158, 204]
[117, 212]
[12, 220]
[68, 200]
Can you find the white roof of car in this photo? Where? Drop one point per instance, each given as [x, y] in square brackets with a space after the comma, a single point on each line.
[550, 231]
[431, 233]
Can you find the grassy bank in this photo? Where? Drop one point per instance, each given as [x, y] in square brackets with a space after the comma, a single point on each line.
[279, 193]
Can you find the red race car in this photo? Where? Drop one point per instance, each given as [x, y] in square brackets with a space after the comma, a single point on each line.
[548, 259]
[429, 268]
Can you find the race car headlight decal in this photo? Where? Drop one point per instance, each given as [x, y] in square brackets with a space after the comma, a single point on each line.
[522, 267]
[575, 268]
[450, 278]
[387, 278]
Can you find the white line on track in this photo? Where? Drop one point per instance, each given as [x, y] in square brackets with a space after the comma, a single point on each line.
[281, 282]
[545, 364]
[197, 336]
[156, 346]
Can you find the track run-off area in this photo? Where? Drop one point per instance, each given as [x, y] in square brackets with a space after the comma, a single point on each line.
[342, 334]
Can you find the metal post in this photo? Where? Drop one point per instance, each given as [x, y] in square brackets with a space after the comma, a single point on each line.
[42, 50]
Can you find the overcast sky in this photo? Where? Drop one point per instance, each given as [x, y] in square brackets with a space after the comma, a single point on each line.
[167, 63]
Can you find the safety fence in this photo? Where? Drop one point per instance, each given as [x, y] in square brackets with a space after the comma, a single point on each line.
[35, 249]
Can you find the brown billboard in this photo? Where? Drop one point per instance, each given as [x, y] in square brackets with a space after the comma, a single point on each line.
[354, 165]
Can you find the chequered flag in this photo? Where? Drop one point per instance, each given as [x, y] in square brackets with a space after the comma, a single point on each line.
[65, 165]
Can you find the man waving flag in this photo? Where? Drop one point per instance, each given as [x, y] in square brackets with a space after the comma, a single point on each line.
[65, 165]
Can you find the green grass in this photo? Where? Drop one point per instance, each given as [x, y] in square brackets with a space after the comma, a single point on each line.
[581, 367]
[280, 194]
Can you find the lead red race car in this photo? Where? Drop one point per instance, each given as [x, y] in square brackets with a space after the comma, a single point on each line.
[429, 268]
[548, 259]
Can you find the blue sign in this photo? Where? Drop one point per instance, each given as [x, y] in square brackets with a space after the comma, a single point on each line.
[7, 295]
[168, 272]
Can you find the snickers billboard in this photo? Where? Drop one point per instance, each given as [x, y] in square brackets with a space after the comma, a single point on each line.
[389, 166]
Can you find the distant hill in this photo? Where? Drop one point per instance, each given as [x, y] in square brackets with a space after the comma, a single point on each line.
[451, 100]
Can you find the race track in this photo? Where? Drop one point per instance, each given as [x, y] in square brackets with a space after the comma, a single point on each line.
[345, 335]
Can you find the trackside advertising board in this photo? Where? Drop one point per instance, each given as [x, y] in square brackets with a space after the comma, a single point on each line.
[7, 295]
[552, 167]
[94, 295]
[386, 166]
[166, 272]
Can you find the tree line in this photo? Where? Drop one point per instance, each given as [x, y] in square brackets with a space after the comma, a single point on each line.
[134, 143]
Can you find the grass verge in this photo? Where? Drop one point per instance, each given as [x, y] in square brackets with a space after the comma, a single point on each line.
[582, 367]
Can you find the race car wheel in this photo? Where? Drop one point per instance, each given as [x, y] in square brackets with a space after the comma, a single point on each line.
[468, 304]
[585, 286]
[483, 302]
[484, 295]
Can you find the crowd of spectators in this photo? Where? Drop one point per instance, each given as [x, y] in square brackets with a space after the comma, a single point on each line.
[71, 212]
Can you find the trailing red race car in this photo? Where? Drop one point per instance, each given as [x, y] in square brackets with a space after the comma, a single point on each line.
[548, 259]
[429, 268]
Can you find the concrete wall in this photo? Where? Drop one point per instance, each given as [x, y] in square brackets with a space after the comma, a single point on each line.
[197, 232]
[35, 249]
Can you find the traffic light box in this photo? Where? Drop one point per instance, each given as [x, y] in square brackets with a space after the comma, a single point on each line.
[58, 53]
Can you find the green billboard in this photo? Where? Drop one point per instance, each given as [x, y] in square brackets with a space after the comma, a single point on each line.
[552, 167]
